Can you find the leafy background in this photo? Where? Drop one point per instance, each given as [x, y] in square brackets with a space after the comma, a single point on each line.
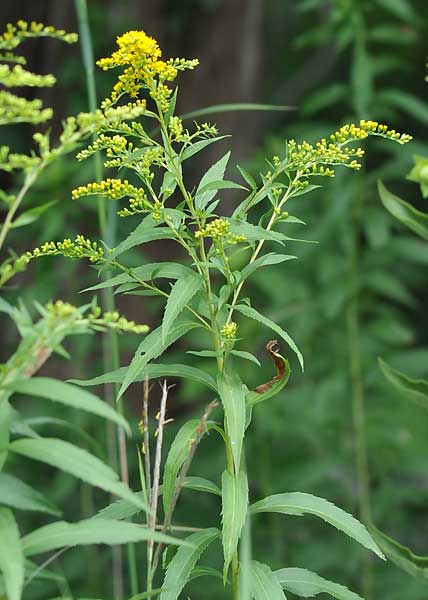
[358, 294]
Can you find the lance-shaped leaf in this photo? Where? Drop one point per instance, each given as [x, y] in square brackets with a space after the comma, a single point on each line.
[252, 313]
[232, 395]
[234, 500]
[151, 347]
[90, 531]
[403, 557]
[198, 146]
[168, 270]
[70, 395]
[307, 585]
[214, 173]
[264, 584]
[177, 454]
[275, 385]
[267, 259]
[414, 219]
[146, 231]
[185, 559]
[181, 293]
[413, 389]
[11, 555]
[6, 418]
[16, 493]
[298, 503]
[77, 462]
[152, 371]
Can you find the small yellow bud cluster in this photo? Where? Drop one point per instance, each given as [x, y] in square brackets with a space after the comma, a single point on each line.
[11, 267]
[114, 321]
[10, 161]
[136, 206]
[62, 309]
[228, 331]
[157, 210]
[219, 230]
[81, 248]
[113, 189]
[18, 76]
[206, 130]
[176, 128]
[15, 34]
[161, 94]
[143, 163]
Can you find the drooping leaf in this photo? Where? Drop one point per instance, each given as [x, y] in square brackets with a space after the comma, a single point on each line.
[268, 259]
[168, 270]
[235, 106]
[76, 461]
[184, 561]
[70, 395]
[90, 531]
[414, 219]
[232, 395]
[403, 557]
[152, 371]
[252, 313]
[214, 173]
[16, 493]
[181, 293]
[11, 555]
[413, 389]
[277, 383]
[298, 503]
[264, 584]
[307, 585]
[151, 347]
[234, 496]
[177, 454]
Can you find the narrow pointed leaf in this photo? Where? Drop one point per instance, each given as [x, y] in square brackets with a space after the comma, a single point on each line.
[264, 584]
[181, 293]
[11, 555]
[268, 259]
[198, 146]
[234, 497]
[414, 219]
[184, 561]
[90, 531]
[16, 493]
[146, 231]
[76, 461]
[236, 106]
[413, 389]
[252, 313]
[152, 371]
[307, 585]
[70, 395]
[168, 270]
[298, 503]
[214, 173]
[151, 347]
[232, 395]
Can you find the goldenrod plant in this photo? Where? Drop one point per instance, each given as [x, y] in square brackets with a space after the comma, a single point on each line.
[205, 294]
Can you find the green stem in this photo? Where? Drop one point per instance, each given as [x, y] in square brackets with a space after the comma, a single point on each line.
[29, 180]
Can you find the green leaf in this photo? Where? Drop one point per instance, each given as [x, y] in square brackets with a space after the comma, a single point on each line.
[408, 103]
[235, 106]
[234, 499]
[152, 371]
[254, 233]
[264, 584]
[401, 9]
[90, 531]
[221, 185]
[413, 389]
[307, 585]
[185, 559]
[151, 347]
[205, 572]
[246, 356]
[298, 503]
[77, 462]
[181, 293]
[11, 555]
[403, 211]
[146, 231]
[251, 313]
[268, 259]
[247, 177]
[169, 270]
[253, 397]
[6, 417]
[177, 454]
[200, 484]
[16, 493]
[198, 146]
[32, 214]
[70, 395]
[214, 173]
[400, 555]
[232, 394]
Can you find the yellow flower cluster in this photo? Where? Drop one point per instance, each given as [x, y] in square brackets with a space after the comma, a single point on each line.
[141, 56]
[136, 206]
[109, 188]
[81, 248]
[95, 319]
[15, 34]
[219, 230]
[176, 128]
[228, 331]
[364, 129]
[11, 161]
